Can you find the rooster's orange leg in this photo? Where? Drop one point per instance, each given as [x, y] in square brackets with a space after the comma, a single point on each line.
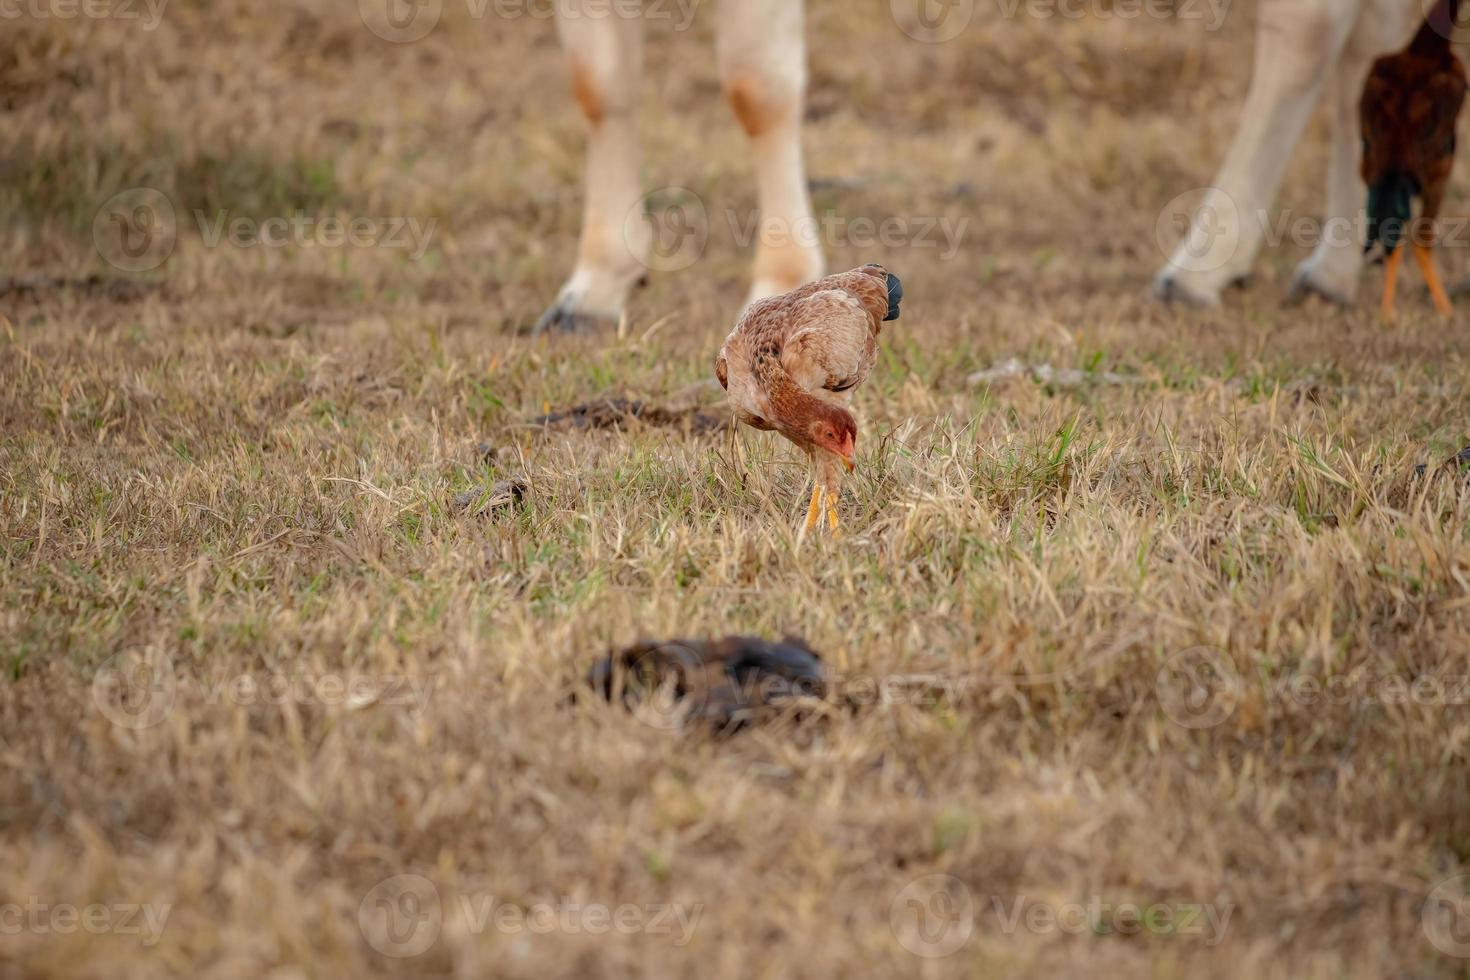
[1424, 255]
[1390, 282]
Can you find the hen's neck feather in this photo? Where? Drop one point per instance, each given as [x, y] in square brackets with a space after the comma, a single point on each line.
[793, 407]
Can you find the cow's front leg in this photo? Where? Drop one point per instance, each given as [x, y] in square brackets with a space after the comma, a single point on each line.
[1297, 42]
[1336, 263]
[762, 57]
[606, 58]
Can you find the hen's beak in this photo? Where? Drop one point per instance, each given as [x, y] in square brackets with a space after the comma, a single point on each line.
[848, 452]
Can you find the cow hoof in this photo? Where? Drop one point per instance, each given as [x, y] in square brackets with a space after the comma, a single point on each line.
[1170, 287]
[564, 318]
[1309, 284]
[1312, 279]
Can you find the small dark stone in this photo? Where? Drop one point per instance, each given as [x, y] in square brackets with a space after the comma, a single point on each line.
[612, 413]
[485, 500]
[1460, 460]
[726, 683]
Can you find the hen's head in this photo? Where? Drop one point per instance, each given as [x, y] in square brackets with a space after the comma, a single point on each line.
[832, 428]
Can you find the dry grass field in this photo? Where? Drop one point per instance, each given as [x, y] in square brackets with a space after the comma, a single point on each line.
[278, 703]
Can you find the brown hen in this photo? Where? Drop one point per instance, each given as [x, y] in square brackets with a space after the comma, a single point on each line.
[1408, 111]
[792, 362]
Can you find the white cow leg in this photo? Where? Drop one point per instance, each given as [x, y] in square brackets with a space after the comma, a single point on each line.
[1333, 269]
[1297, 43]
[606, 59]
[762, 58]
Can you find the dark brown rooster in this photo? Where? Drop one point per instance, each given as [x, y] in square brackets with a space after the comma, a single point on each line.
[792, 362]
[1409, 107]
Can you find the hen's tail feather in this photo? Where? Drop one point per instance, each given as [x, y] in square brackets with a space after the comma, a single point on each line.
[895, 296]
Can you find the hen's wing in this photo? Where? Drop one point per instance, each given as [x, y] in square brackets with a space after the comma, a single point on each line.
[830, 342]
[734, 367]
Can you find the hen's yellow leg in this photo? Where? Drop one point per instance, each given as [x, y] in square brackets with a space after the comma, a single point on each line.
[813, 512]
[1390, 282]
[832, 521]
[1424, 255]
